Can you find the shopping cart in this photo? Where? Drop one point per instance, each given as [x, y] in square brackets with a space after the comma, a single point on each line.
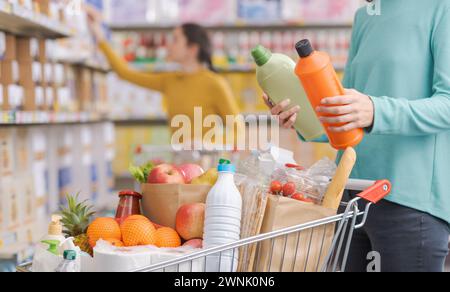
[333, 259]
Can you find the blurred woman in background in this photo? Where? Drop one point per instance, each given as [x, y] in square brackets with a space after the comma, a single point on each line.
[196, 85]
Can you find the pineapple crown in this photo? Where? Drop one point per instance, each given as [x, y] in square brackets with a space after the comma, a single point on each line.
[76, 216]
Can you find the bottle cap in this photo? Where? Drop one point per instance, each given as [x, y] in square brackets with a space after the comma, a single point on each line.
[226, 166]
[55, 228]
[261, 55]
[130, 193]
[70, 255]
[304, 48]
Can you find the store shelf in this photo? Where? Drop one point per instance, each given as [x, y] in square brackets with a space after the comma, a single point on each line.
[228, 27]
[17, 20]
[141, 122]
[92, 65]
[7, 253]
[21, 118]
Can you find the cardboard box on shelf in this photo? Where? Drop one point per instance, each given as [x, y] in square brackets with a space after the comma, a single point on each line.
[11, 202]
[39, 168]
[9, 72]
[44, 7]
[27, 202]
[23, 50]
[42, 51]
[13, 96]
[10, 47]
[104, 152]
[65, 141]
[84, 86]
[6, 152]
[82, 149]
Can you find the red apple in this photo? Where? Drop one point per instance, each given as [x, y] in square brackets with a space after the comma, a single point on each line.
[166, 174]
[190, 221]
[191, 171]
[195, 243]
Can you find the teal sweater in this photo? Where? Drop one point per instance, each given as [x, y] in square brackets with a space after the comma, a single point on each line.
[401, 59]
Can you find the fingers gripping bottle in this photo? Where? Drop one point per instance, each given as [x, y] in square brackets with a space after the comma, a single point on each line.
[223, 220]
[319, 79]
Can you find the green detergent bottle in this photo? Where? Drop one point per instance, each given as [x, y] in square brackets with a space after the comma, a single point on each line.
[276, 76]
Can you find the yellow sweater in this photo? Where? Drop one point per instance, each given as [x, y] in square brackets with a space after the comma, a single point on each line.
[183, 91]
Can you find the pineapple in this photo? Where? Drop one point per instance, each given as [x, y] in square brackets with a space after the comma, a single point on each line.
[76, 219]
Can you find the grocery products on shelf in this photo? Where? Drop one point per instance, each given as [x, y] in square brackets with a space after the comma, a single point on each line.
[37, 174]
[147, 51]
[230, 12]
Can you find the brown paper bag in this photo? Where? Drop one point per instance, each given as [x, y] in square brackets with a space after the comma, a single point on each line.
[161, 202]
[295, 253]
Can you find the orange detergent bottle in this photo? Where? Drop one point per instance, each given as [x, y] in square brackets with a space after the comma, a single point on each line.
[319, 79]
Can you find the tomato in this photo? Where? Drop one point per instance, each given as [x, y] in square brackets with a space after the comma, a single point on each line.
[301, 197]
[276, 187]
[289, 189]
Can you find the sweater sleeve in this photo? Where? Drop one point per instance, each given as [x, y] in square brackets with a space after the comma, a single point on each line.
[227, 105]
[152, 81]
[428, 116]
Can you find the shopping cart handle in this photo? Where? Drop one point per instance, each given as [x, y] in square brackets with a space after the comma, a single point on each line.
[377, 192]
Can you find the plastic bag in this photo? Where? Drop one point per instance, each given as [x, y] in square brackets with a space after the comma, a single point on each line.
[312, 182]
[108, 258]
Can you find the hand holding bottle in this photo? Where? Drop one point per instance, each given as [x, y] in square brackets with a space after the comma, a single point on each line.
[288, 116]
[354, 109]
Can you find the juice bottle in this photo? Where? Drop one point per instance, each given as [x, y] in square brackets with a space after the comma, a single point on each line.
[276, 76]
[320, 81]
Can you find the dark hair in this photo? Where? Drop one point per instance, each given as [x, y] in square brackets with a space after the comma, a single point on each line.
[197, 35]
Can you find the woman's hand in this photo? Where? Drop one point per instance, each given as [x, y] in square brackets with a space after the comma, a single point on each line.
[95, 23]
[288, 116]
[354, 109]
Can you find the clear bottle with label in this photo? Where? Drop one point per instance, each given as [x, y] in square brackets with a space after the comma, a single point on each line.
[70, 264]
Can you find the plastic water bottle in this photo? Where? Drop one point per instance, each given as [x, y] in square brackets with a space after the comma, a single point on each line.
[223, 220]
[70, 264]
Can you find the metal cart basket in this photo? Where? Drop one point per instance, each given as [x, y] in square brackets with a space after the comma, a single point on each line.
[331, 259]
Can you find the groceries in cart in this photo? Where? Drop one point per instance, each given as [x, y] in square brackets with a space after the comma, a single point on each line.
[266, 214]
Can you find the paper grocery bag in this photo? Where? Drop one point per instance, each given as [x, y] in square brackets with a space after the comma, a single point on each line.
[160, 202]
[300, 252]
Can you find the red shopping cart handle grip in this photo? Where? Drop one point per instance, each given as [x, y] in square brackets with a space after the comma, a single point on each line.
[377, 192]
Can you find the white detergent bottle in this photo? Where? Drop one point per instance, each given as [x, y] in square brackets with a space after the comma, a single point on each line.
[223, 220]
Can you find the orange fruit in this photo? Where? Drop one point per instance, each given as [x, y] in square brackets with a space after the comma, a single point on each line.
[115, 242]
[103, 228]
[137, 217]
[167, 238]
[138, 231]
